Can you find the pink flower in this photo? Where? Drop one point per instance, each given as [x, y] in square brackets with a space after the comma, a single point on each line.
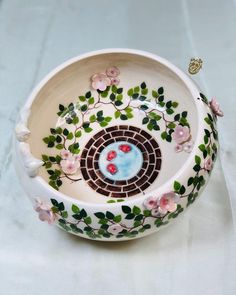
[44, 212]
[181, 134]
[168, 202]
[65, 154]
[115, 81]
[100, 82]
[150, 203]
[188, 146]
[112, 72]
[179, 148]
[71, 164]
[115, 229]
[208, 164]
[215, 107]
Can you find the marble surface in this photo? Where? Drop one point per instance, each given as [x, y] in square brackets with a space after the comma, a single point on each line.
[196, 254]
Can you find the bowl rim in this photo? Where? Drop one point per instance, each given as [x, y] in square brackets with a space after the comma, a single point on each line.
[186, 79]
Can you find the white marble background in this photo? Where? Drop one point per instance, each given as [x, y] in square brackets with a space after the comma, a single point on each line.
[196, 255]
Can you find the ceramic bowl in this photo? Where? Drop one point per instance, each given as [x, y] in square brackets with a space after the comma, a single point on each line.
[115, 144]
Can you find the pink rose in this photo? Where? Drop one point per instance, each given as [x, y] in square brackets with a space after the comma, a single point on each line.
[215, 107]
[150, 203]
[112, 72]
[44, 212]
[115, 229]
[181, 134]
[168, 202]
[71, 164]
[100, 82]
[208, 164]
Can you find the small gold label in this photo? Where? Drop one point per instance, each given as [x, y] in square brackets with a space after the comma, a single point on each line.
[194, 66]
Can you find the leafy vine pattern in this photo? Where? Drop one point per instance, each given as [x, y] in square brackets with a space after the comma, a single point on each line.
[82, 116]
[134, 221]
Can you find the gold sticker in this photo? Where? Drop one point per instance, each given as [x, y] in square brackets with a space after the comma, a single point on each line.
[195, 65]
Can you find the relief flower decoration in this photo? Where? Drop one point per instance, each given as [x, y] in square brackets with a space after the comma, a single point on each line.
[45, 212]
[215, 107]
[70, 163]
[182, 137]
[166, 203]
[208, 164]
[101, 81]
[115, 229]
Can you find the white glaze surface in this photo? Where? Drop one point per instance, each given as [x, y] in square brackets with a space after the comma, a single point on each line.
[54, 31]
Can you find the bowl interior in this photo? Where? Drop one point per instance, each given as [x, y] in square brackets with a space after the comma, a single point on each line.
[124, 141]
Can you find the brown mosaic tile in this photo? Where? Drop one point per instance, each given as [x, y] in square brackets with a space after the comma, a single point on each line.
[103, 192]
[134, 192]
[122, 188]
[118, 195]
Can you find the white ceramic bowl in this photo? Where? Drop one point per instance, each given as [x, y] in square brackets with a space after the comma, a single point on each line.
[115, 144]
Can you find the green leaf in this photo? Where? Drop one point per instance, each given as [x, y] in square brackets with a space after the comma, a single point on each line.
[88, 220]
[164, 135]
[114, 88]
[100, 114]
[88, 94]
[130, 216]
[70, 136]
[119, 90]
[177, 186]
[155, 94]
[61, 107]
[197, 160]
[104, 94]
[145, 120]
[160, 90]
[59, 146]
[103, 124]
[202, 147]
[108, 119]
[136, 210]
[117, 218]
[130, 92]
[78, 133]
[197, 168]
[118, 103]
[123, 117]
[171, 125]
[109, 215]
[100, 215]
[126, 209]
[91, 100]
[54, 202]
[61, 206]
[65, 132]
[144, 91]
[143, 85]
[184, 114]
[136, 89]
[143, 107]
[175, 104]
[82, 98]
[46, 140]
[119, 97]
[117, 114]
[169, 111]
[75, 209]
[84, 107]
[88, 130]
[45, 158]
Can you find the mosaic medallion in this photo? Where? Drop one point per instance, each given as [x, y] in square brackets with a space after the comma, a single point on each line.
[121, 161]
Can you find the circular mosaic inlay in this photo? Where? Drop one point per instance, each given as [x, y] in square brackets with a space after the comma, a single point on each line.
[121, 161]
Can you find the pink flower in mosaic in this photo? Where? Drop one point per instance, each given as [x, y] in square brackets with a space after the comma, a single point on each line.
[113, 72]
[115, 229]
[215, 107]
[44, 212]
[208, 164]
[100, 82]
[168, 202]
[150, 203]
[181, 134]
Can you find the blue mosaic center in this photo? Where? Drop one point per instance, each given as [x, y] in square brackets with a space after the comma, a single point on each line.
[120, 161]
